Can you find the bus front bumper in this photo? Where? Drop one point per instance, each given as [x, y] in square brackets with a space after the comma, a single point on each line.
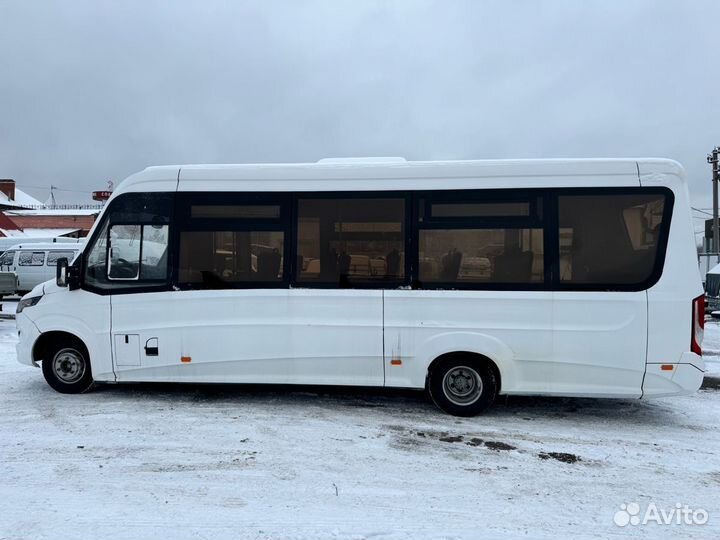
[27, 336]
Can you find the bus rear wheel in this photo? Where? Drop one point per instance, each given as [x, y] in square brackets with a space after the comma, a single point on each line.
[66, 367]
[462, 386]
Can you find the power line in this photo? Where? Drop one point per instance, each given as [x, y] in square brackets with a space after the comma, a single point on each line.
[56, 189]
[701, 211]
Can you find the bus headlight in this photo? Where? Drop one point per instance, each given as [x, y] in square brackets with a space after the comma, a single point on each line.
[27, 302]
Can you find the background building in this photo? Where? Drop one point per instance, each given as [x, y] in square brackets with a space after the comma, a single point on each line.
[24, 217]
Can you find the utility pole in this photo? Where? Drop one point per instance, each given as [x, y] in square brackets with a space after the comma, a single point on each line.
[712, 159]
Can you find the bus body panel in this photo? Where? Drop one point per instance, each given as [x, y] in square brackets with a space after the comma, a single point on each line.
[685, 378]
[281, 336]
[82, 314]
[584, 343]
[511, 328]
[599, 343]
[380, 176]
[670, 299]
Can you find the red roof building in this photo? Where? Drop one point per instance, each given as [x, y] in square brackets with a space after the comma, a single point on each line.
[23, 217]
[7, 226]
[74, 223]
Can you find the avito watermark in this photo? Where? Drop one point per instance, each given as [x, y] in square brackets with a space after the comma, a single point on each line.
[680, 514]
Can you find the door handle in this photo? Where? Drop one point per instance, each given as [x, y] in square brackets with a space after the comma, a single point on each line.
[151, 347]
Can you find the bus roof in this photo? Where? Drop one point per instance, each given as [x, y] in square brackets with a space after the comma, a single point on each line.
[368, 174]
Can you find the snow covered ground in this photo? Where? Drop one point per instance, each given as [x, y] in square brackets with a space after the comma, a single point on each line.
[135, 462]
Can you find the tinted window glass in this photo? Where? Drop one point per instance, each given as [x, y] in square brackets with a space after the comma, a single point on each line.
[222, 259]
[479, 209]
[137, 227]
[349, 241]
[240, 211]
[31, 258]
[137, 252]
[95, 264]
[125, 252]
[137, 208]
[609, 239]
[53, 257]
[154, 249]
[481, 256]
[230, 240]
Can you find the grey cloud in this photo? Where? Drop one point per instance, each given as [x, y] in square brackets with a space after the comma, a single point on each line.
[98, 90]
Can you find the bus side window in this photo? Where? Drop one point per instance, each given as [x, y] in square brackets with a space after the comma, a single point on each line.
[480, 239]
[609, 240]
[344, 241]
[124, 261]
[130, 247]
[230, 240]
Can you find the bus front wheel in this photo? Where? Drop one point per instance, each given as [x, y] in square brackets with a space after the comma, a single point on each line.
[66, 367]
[462, 386]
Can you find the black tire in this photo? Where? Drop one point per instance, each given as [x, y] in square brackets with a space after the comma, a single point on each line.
[66, 366]
[462, 386]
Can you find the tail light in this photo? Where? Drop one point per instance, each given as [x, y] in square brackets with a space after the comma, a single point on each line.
[698, 324]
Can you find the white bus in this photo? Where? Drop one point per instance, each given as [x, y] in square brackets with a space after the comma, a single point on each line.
[468, 279]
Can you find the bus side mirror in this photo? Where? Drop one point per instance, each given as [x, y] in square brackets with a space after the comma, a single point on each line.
[61, 272]
[67, 275]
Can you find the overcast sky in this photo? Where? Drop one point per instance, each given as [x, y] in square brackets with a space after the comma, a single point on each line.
[94, 90]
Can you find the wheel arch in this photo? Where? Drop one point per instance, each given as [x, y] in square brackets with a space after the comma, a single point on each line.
[46, 340]
[467, 355]
[96, 339]
[481, 347]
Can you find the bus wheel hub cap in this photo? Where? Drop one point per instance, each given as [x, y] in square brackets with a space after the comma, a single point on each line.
[68, 366]
[462, 385]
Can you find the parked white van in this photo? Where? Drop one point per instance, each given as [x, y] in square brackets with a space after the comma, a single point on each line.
[9, 241]
[542, 277]
[36, 262]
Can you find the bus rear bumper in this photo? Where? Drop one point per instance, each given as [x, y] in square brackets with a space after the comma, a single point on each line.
[679, 379]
